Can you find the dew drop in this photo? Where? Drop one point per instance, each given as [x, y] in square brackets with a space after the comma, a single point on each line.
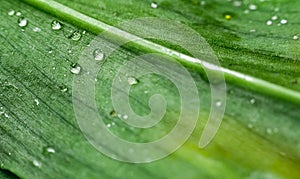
[108, 125]
[18, 14]
[252, 101]
[237, 3]
[11, 13]
[37, 102]
[98, 55]
[283, 21]
[55, 25]
[154, 5]
[50, 150]
[76, 69]
[246, 11]
[252, 7]
[36, 163]
[76, 35]
[219, 103]
[250, 126]
[295, 37]
[269, 131]
[269, 22]
[22, 22]
[132, 81]
[125, 116]
[252, 30]
[274, 18]
[36, 29]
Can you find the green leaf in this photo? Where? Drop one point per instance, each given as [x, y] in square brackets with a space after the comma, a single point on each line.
[258, 138]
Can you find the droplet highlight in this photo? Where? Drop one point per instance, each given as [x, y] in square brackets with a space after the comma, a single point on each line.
[55, 25]
[22, 22]
[98, 55]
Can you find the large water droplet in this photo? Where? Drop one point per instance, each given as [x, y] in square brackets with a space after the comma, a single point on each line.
[55, 25]
[132, 80]
[22, 22]
[18, 14]
[98, 55]
[274, 18]
[50, 150]
[76, 35]
[76, 69]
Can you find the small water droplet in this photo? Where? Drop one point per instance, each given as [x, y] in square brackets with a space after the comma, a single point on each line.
[269, 131]
[9, 153]
[64, 90]
[18, 14]
[55, 25]
[125, 116]
[274, 18]
[252, 30]
[83, 32]
[252, 101]
[11, 13]
[36, 163]
[37, 102]
[202, 3]
[219, 103]
[76, 69]
[237, 3]
[132, 81]
[154, 5]
[269, 22]
[250, 126]
[276, 9]
[36, 29]
[76, 35]
[22, 22]
[295, 37]
[108, 125]
[246, 11]
[50, 150]
[252, 7]
[283, 21]
[98, 55]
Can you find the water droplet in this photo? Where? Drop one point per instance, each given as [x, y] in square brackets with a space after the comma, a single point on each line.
[276, 9]
[36, 29]
[252, 30]
[202, 3]
[37, 102]
[246, 11]
[11, 13]
[76, 69]
[98, 55]
[237, 3]
[55, 25]
[252, 101]
[50, 150]
[228, 17]
[154, 5]
[250, 126]
[269, 131]
[76, 35]
[18, 14]
[295, 37]
[22, 22]
[125, 116]
[36, 163]
[274, 18]
[9, 153]
[83, 32]
[283, 21]
[252, 7]
[269, 22]
[132, 81]
[219, 103]
[108, 125]
[64, 90]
